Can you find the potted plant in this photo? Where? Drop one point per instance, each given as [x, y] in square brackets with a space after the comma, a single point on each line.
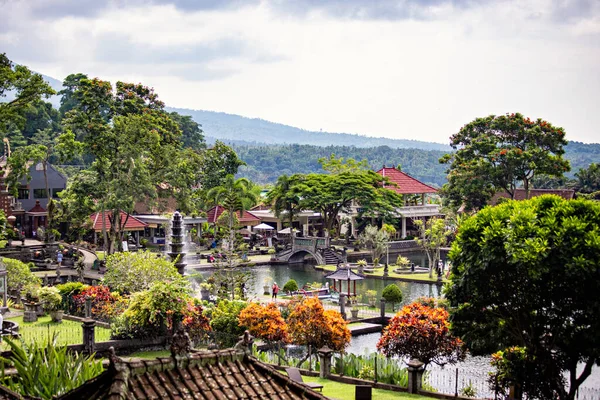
[32, 303]
[354, 312]
[361, 265]
[52, 301]
[272, 253]
[402, 262]
[372, 297]
[205, 288]
[267, 285]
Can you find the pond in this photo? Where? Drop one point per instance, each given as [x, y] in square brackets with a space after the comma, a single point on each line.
[305, 273]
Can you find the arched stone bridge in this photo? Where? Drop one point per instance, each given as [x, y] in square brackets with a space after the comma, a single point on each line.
[317, 247]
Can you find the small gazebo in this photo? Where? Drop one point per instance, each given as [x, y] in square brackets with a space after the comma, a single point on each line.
[344, 274]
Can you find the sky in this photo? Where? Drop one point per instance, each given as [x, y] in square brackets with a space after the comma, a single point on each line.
[411, 69]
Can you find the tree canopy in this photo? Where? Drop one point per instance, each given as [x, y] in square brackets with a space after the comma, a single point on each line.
[25, 88]
[498, 153]
[525, 274]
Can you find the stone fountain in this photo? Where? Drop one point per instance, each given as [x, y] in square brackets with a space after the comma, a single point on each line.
[177, 242]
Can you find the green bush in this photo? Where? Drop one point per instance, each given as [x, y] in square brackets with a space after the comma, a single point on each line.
[71, 288]
[290, 286]
[392, 294]
[19, 275]
[50, 298]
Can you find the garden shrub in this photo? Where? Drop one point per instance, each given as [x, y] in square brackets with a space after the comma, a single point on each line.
[392, 294]
[290, 286]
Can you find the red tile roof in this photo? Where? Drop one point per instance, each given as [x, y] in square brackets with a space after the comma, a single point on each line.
[217, 374]
[566, 194]
[132, 224]
[406, 184]
[247, 218]
[37, 208]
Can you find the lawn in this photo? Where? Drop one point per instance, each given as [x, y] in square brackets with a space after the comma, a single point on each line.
[150, 354]
[419, 277]
[69, 332]
[344, 391]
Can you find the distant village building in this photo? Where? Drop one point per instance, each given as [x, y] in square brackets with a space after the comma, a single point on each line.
[29, 207]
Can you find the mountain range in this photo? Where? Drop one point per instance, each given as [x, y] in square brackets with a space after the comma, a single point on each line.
[271, 149]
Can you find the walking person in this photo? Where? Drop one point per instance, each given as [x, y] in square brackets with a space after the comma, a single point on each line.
[275, 290]
[59, 258]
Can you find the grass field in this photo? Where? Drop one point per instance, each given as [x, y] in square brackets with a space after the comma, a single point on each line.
[68, 332]
[345, 391]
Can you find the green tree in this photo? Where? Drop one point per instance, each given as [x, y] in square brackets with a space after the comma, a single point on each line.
[588, 179]
[283, 200]
[18, 275]
[433, 235]
[231, 195]
[500, 153]
[331, 194]
[336, 166]
[133, 272]
[77, 203]
[218, 162]
[69, 100]
[524, 273]
[192, 136]
[392, 294]
[133, 143]
[25, 87]
[375, 240]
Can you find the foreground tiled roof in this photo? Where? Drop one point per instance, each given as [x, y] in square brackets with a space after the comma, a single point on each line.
[247, 218]
[132, 224]
[566, 194]
[406, 183]
[220, 374]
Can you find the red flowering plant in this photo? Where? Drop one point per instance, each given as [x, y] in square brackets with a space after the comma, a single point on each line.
[105, 304]
[421, 332]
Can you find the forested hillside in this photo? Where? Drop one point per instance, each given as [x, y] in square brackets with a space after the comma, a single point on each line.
[258, 131]
[266, 163]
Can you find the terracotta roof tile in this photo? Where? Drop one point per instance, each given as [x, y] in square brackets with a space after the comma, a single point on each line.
[222, 374]
[406, 183]
[132, 224]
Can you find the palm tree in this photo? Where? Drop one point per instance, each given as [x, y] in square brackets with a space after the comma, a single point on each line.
[231, 195]
[283, 198]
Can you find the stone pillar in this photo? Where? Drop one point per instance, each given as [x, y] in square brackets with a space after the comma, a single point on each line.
[382, 310]
[403, 227]
[88, 307]
[342, 303]
[89, 335]
[415, 375]
[325, 354]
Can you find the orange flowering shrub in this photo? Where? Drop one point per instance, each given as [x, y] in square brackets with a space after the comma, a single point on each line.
[265, 322]
[421, 332]
[310, 324]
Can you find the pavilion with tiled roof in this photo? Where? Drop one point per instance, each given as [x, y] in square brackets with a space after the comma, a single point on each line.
[406, 185]
[246, 218]
[129, 223]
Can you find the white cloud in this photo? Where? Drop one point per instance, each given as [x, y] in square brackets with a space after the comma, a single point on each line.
[420, 77]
